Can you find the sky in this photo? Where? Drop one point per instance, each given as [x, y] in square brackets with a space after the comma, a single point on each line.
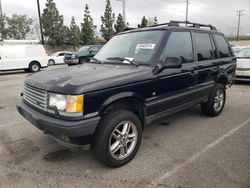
[220, 13]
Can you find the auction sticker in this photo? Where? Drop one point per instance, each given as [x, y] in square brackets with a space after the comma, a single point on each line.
[145, 46]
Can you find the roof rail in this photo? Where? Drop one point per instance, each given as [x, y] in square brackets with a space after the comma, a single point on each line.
[174, 23]
[128, 28]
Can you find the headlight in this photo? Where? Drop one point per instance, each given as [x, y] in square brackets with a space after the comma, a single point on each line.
[68, 105]
[73, 56]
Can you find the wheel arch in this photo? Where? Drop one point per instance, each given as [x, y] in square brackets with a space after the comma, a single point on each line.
[126, 100]
[223, 79]
[35, 61]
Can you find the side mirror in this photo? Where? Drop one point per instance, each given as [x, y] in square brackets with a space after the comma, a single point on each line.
[170, 62]
[91, 52]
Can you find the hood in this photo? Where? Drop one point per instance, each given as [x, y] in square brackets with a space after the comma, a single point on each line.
[88, 77]
[243, 63]
[80, 53]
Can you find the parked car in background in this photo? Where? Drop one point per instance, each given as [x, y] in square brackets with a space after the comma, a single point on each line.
[138, 77]
[83, 55]
[57, 57]
[243, 65]
[237, 49]
[22, 54]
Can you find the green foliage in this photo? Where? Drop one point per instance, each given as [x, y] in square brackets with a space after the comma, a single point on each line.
[18, 26]
[74, 34]
[88, 28]
[3, 27]
[242, 37]
[120, 25]
[52, 23]
[107, 19]
[155, 21]
[144, 22]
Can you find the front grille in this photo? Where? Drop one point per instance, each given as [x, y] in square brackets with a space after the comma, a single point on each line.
[67, 56]
[36, 97]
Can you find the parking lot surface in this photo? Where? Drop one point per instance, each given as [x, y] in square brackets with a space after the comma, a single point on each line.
[187, 149]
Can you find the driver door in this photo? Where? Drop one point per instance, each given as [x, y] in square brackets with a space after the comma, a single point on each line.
[176, 86]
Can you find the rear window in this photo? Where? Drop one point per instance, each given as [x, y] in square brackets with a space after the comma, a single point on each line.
[222, 46]
[204, 49]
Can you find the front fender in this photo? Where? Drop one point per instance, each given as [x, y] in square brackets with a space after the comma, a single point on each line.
[120, 96]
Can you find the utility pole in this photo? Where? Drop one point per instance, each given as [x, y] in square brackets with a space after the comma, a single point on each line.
[240, 13]
[123, 10]
[1, 10]
[40, 23]
[187, 6]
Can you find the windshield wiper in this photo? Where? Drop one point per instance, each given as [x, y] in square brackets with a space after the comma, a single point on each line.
[123, 59]
[96, 60]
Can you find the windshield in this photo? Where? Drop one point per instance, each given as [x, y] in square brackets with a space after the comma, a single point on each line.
[236, 50]
[245, 53]
[137, 47]
[84, 49]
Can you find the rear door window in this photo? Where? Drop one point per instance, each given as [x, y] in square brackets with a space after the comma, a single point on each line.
[204, 48]
[222, 46]
[179, 45]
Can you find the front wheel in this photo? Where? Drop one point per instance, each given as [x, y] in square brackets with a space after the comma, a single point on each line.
[118, 138]
[216, 101]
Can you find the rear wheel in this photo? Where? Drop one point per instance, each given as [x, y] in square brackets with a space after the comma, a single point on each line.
[118, 138]
[216, 102]
[34, 66]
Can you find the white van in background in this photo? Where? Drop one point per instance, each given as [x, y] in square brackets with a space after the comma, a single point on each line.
[22, 54]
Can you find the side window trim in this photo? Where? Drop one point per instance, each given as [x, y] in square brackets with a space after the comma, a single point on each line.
[215, 53]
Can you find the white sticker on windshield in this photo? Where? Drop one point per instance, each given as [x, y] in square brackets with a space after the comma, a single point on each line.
[145, 46]
[127, 60]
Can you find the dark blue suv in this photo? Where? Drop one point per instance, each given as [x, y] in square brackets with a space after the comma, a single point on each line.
[139, 76]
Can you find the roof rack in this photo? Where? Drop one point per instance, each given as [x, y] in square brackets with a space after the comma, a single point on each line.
[188, 24]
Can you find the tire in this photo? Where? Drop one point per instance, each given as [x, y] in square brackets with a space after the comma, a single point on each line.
[111, 124]
[51, 62]
[34, 67]
[83, 61]
[216, 101]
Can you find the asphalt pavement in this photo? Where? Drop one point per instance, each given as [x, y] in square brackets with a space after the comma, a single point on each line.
[187, 149]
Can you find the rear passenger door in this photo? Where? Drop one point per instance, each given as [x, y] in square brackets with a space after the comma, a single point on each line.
[175, 86]
[226, 61]
[205, 54]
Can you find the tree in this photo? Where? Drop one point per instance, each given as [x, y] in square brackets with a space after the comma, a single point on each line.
[144, 22]
[120, 25]
[52, 23]
[3, 27]
[74, 34]
[19, 26]
[88, 28]
[155, 21]
[107, 19]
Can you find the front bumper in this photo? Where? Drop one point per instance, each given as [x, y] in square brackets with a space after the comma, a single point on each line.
[58, 126]
[71, 61]
[242, 75]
